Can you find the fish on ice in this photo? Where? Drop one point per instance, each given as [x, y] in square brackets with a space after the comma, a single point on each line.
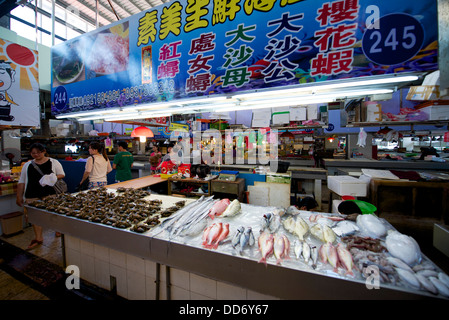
[218, 208]
[213, 234]
[345, 258]
[266, 244]
[222, 236]
[233, 209]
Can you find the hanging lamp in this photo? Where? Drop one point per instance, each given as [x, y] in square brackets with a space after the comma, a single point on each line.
[288, 134]
[143, 133]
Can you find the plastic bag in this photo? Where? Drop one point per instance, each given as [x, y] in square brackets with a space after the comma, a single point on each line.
[361, 142]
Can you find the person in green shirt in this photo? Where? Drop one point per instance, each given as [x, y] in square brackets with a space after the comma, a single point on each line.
[123, 162]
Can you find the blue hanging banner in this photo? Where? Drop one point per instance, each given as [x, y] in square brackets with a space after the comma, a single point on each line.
[185, 49]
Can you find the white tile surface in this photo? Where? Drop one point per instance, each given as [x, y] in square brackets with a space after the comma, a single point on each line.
[120, 278]
[136, 285]
[227, 291]
[87, 248]
[252, 295]
[73, 257]
[180, 278]
[150, 290]
[197, 296]
[87, 268]
[101, 252]
[117, 258]
[135, 264]
[150, 268]
[203, 286]
[72, 242]
[102, 278]
[178, 293]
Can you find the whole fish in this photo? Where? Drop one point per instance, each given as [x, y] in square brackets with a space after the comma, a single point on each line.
[251, 240]
[399, 263]
[286, 247]
[289, 224]
[233, 209]
[306, 252]
[314, 255]
[317, 232]
[442, 288]
[329, 234]
[236, 240]
[323, 253]
[345, 258]
[301, 228]
[266, 243]
[213, 234]
[426, 283]
[279, 248]
[244, 239]
[206, 234]
[428, 273]
[223, 234]
[408, 277]
[266, 219]
[275, 223]
[443, 278]
[298, 248]
[271, 222]
[218, 208]
[332, 256]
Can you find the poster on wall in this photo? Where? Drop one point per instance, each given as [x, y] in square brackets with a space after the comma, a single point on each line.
[19, 85]
[187, 49]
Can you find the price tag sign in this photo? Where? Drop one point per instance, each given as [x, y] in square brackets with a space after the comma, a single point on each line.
[60, 98]
[394, 39]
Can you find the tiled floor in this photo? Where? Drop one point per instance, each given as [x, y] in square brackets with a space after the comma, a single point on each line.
[14, 289]
[50, 250]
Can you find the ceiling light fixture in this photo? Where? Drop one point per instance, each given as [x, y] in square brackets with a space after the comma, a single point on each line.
[142, 133]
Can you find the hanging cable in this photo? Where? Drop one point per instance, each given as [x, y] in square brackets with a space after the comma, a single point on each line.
[109, 1]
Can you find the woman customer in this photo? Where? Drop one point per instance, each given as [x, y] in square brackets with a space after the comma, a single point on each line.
[97, 166]
[29, 187]
[155, 159]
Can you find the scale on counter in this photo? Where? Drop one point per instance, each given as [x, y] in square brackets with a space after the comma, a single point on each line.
[228, 175]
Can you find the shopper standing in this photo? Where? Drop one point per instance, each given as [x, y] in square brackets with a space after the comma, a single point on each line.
[123, 162]
[97, 166]
[29, 187]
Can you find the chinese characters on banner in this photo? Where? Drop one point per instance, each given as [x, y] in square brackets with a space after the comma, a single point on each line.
[192, 48]
[336, 41]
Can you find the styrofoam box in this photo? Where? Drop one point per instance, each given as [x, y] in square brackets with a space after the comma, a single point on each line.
[347, 186]
[437, 112]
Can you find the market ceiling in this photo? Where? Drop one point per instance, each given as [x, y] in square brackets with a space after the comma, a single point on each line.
[109, 11]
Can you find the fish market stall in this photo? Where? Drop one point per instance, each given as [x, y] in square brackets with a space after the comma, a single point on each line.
[224, 249]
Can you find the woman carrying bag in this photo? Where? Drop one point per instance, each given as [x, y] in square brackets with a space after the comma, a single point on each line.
[97, 166]
[34, 182]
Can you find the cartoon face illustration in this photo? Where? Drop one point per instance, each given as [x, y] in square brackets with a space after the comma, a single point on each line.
[6, 75]
[6, 80]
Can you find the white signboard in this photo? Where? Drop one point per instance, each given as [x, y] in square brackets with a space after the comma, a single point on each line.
[19, 85]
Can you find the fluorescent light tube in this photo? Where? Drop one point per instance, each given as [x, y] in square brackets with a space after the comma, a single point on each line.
[358, 82]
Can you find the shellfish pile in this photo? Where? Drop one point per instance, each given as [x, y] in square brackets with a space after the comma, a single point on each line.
[124, 209]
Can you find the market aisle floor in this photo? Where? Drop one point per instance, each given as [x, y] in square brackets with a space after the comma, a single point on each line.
[38, 274]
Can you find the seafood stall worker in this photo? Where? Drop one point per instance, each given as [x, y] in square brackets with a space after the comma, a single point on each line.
[307, 203]
[155, 159]
[97, 166]
[167, 156]
[123, 162]
[29, 186]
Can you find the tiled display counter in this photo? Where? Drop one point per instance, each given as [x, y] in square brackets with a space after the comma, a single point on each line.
[149, 266]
